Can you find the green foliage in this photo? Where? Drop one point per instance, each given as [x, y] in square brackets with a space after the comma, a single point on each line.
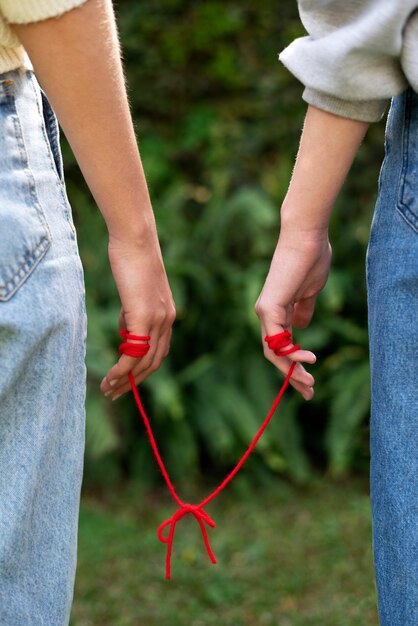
[218, 121]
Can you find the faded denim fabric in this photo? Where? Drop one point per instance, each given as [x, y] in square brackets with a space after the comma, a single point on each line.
[42, 364]
[392, 274]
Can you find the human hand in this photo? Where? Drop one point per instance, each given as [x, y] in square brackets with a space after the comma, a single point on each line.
[298, 272]
[147, 308]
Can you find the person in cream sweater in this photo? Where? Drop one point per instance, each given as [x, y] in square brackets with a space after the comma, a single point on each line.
[71, 47]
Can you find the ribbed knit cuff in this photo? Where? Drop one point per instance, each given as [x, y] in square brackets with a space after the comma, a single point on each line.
[27, 11]
[362, 110]
[11, 58]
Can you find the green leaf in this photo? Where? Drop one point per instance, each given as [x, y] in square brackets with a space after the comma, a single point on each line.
[349, 408]
[101, 437]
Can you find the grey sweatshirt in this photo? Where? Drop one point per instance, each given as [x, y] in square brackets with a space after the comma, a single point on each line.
[357, 55]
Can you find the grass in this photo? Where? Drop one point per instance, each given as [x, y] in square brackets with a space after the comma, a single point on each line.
[286, 557]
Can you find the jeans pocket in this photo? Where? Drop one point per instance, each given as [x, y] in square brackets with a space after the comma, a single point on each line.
[52, 135]
[24, 231]
[407, 204]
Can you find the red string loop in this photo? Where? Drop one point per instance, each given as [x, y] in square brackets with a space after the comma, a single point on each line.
[278, 343]
[282, 345]
[136, 350]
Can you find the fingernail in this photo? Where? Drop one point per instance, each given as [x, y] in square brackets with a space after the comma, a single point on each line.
[108, 393]
[113, 382]
[116, 397]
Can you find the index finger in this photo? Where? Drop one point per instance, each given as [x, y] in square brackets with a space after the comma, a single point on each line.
[279, 341]
[280, 350]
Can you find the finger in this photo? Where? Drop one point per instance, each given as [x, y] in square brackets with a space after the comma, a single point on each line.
[117, 373]
[306, 392]
[301, 380]
[161, 347]
[120, 370]
[283, 362]
[270, 329]
[141, 373]
[117, 377]
[126, 387]
[302, 356]
[299, 355]
[299, 374]
[303, 312]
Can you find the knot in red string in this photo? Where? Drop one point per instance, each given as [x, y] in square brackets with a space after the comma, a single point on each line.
[134, 349]
[202, 518]
[278, 343]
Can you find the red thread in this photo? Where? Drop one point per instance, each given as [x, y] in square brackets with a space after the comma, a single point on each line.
[279, 342]
[134, 349]
[280, 345]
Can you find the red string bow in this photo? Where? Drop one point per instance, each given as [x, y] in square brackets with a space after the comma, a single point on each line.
[281, 344]
[202, 518]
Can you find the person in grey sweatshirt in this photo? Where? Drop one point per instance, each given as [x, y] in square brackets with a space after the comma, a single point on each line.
[356, 57]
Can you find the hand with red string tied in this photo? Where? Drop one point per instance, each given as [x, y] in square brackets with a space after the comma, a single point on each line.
[281, 350]
[298, 271]
[132, 349]
[148, 310]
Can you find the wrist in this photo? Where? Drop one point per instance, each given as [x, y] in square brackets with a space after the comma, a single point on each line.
[294, 226]
[139, 231]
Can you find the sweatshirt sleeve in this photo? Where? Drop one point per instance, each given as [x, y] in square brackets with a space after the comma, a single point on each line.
[357, 54]
[27, 11]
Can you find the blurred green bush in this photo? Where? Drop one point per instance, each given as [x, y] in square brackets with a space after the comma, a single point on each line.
[218, 121]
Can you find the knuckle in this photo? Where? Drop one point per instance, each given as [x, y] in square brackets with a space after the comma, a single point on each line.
[171, 315]
[165, 315]
[260, 308]
[159, 317]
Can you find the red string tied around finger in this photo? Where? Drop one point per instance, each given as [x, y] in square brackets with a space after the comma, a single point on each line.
[278, 343]
[281, 344]
[136, 350]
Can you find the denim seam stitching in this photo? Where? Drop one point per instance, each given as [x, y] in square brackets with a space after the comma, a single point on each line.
[58, 181]
[25, 268]
[404, 211]
[7, 289]
[45, 136]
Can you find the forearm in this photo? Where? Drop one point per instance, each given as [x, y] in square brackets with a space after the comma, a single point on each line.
[327, 148]
[76, 59]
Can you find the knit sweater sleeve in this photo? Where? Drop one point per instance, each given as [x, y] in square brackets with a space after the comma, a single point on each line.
[26, 11]
[357, 54]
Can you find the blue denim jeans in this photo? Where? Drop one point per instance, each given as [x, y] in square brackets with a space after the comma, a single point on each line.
[392, 275]
[42, 349]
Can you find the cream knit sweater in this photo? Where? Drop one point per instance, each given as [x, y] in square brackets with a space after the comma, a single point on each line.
[12, 54]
